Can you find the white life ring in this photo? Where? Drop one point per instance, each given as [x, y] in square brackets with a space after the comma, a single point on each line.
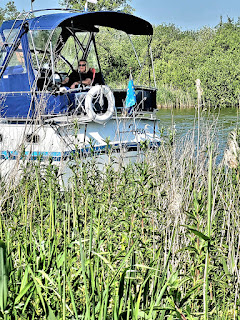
[95, 92]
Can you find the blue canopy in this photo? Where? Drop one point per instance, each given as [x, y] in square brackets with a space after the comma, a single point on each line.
[86, 21]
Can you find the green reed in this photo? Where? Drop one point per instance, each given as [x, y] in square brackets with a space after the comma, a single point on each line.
[3, 277]
[137, 242]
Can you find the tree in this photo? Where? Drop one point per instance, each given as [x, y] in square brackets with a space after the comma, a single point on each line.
[101, 5]
[9, 12]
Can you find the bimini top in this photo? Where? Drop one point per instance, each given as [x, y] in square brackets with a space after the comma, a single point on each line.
[86, 21]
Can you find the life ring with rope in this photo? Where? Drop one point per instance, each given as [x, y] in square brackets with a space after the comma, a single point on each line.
[98, 92]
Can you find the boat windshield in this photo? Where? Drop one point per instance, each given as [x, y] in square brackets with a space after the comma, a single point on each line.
[42, 44]
[3, 51]
[49, 48]
[77, 46]
[6, 40]
[16, 63]
[91, 52]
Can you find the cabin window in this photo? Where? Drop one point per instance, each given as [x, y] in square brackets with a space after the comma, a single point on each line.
[6, 41]
[78, 44]
[3, 50]
[69, 53]
[92, 58]
[39, 43]
[72, 52]
[32, 138]
[10, 35]
[16, 64]
[1, 137]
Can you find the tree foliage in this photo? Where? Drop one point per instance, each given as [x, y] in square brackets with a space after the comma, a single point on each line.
[9, 12]
[181, 57]
[101, 5]
[212, 55]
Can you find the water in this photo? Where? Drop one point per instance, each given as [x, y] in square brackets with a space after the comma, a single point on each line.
[185, 120]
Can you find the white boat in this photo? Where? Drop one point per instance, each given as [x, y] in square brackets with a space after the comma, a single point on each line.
[41, 118]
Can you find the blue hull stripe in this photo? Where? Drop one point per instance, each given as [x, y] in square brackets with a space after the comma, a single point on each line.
[66, 155]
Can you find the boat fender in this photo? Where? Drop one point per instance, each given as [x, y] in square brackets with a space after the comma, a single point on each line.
[93, 93]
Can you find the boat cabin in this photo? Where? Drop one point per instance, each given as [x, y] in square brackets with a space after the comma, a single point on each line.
[36, 54]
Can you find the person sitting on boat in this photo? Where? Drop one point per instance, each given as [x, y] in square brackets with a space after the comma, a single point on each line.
[84, 76]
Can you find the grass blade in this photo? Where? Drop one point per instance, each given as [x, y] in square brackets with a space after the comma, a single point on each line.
[3, 277]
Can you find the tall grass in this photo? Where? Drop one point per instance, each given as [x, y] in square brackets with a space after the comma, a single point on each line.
[170, 97]
[138, 242]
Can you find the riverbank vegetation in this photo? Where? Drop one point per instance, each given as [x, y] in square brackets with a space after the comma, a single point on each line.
[153, 240]
[181, 57]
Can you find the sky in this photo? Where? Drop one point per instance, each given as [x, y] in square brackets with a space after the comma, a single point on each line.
[185, 14]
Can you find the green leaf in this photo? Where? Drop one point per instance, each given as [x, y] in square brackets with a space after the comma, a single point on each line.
[38, 285]
[24, 279]
[27, 302]
[123, 262]
[60, 260]
[199, 234]
[22, 292]
[136, 309]
[3, 277]
[51, 315]
[189, 293]
[72, 298]
[225, 268]
[104, 259]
